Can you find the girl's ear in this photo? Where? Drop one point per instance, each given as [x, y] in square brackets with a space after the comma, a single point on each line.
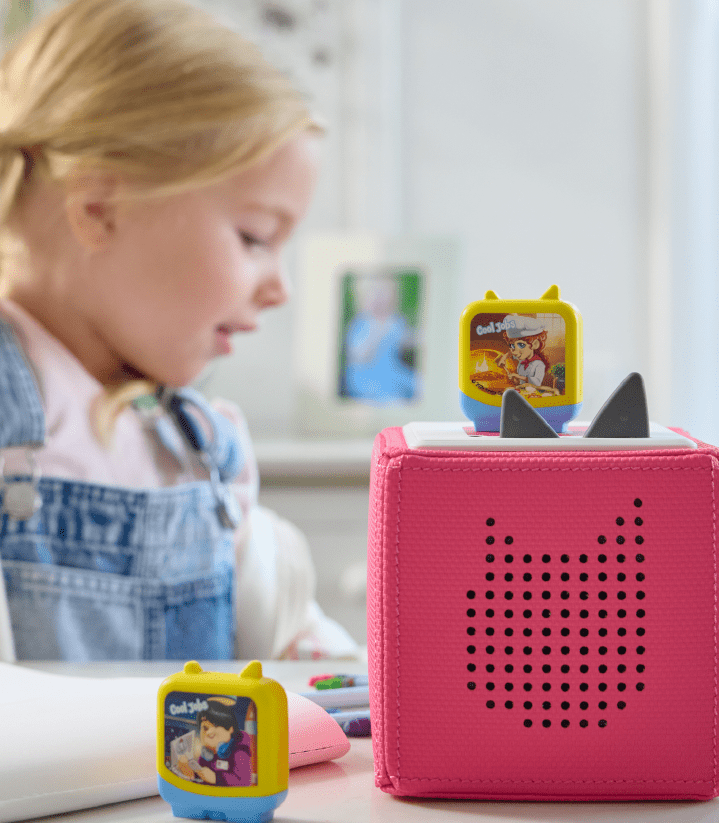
[535, 344]
[91, 208]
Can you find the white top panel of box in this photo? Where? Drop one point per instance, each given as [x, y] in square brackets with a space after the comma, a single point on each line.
[461, 436]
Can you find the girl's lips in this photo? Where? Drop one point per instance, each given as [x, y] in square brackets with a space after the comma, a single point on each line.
[223, 340]
[223, 337]
[234, 328]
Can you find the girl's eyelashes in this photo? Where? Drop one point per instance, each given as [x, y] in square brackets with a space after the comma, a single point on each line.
[252, 240]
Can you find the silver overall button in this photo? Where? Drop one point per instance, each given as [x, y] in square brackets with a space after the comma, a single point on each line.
[21, 500]
[20, 496]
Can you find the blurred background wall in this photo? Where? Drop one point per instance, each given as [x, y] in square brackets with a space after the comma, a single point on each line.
[558, 142]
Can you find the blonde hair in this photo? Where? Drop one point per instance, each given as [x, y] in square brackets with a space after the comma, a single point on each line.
[155, 90]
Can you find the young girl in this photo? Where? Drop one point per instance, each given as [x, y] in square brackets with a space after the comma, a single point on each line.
[152, 166]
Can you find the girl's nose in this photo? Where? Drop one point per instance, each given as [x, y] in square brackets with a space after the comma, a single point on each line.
[274, 289]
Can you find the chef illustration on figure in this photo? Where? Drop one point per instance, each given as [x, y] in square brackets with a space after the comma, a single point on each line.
[526, 337]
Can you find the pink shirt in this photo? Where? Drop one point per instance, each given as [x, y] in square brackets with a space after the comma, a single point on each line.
[72, 449]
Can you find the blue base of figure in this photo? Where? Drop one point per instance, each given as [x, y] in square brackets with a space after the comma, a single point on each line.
[208, 807]
[486, 418]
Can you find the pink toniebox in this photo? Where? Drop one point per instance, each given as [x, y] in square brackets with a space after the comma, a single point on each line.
[542, 616]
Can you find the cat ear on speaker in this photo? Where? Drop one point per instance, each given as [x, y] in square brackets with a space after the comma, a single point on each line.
[519, 419]
[625, 412]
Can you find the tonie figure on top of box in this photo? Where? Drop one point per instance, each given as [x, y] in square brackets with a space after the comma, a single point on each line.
[542, 618]
[533, 346]
[520, 383]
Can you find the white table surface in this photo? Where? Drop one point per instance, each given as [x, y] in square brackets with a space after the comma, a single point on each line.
[343, 791]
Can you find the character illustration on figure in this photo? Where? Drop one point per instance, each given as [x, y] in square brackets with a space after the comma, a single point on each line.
[526, 337]
[219, 752]
[519, 351]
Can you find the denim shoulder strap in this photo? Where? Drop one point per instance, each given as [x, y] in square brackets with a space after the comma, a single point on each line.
[22, 418]
[221, 453]
[223, 449]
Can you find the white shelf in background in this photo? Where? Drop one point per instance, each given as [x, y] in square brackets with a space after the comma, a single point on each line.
[295, 459]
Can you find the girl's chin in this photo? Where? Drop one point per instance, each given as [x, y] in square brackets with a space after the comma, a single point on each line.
[173, 375]
[175, 379]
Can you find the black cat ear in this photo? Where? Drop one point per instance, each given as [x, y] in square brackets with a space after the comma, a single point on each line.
[625, 413]
[519, 419]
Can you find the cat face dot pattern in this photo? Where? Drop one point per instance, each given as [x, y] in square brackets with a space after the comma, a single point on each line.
[557, 640]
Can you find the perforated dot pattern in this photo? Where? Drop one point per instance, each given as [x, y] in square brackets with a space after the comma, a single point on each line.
[557, 640]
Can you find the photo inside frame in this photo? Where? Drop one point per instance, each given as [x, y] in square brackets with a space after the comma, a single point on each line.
[381, 328]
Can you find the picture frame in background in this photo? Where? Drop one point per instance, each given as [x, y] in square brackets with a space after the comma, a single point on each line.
[376, 333]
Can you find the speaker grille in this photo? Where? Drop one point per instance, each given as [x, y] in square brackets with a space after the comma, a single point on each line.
[557, 640]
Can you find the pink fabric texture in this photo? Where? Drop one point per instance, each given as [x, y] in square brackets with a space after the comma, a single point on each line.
[543, 626]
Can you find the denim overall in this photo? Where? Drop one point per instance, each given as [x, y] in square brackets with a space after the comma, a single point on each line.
[96, 572]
